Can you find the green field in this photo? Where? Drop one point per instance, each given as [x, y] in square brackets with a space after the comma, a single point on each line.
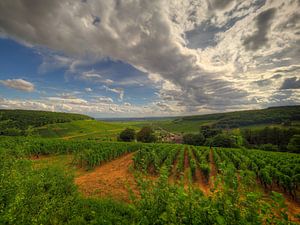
[84, 129]
[273, 117]
[174, 126]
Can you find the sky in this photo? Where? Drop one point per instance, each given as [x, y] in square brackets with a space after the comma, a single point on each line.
[141, 58]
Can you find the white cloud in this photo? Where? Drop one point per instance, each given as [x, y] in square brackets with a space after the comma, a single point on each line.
[104, 100]
[18, 84]
[91, 75]
[127, 104]
[119, 91]
[92, 107]
[73, 100]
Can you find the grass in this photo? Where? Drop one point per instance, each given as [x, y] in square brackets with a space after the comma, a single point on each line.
[171, 125]
[85, 129]
[64, 162]
[108, 131]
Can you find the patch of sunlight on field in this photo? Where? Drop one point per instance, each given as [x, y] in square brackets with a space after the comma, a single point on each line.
[83, 129]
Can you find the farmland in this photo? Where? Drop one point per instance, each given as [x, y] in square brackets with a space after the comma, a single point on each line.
[87, 181]
[85, 129]
[61, 170]
[274, 116]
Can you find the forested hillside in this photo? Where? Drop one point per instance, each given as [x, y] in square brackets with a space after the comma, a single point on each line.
[16, 122]
[245, 118]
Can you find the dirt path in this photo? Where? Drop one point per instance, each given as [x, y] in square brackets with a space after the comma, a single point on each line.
[200, 181]
[173, 174]
[186, 170]
[292, 205]
[109, 180]
[213, 170]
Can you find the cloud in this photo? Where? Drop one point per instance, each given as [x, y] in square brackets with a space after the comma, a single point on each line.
[104, 100]
[88, 89]
[159, 38]
[68, 100]
[18, 84]
[93, 76]
[291, 83]
[119, 91]
[220, 4]
[98, 107]
[259, 38]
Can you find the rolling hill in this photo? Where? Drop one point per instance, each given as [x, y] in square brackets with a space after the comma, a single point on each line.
[83, 129]
[16, 122]
[273, 116]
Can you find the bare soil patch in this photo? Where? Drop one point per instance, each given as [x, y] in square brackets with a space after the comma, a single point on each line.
[186, 170]
[213, 169]
[200, 180]
[173, 174]
[292, 205]
[113, 179]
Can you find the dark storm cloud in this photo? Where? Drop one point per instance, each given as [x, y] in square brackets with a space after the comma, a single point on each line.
[220, 4]
[288, 69]
[203, 36]
[291, 83]
[259, 38]
[277, 76]
[264, 82]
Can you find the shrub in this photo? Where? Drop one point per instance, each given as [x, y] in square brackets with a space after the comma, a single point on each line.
[146, 134]
[223, 140]
[127, 135]
[294, 144]
[269, 147]
[193, 139]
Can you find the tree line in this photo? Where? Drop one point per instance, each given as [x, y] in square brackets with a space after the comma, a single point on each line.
[18, 122]
[146, 135]
[267, 138]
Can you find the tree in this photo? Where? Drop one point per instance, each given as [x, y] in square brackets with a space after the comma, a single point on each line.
[127, 135]
[209, 131]
[146, 134]
[194, 139]
[223, 140]
[294, 144]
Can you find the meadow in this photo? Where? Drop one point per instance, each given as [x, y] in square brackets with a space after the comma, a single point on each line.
[83, 129]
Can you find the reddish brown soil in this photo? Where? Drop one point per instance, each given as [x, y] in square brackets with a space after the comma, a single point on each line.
[39, 157]
[213, 170]
[173, 174]
[201, 183]
[186, 171]
[112, 179]
[292, 206]
[293, 209]
[200, 180]
[151, 169]
[186, 159]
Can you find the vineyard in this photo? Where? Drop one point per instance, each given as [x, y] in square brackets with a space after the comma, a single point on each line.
[277, 171]
[187, 185]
